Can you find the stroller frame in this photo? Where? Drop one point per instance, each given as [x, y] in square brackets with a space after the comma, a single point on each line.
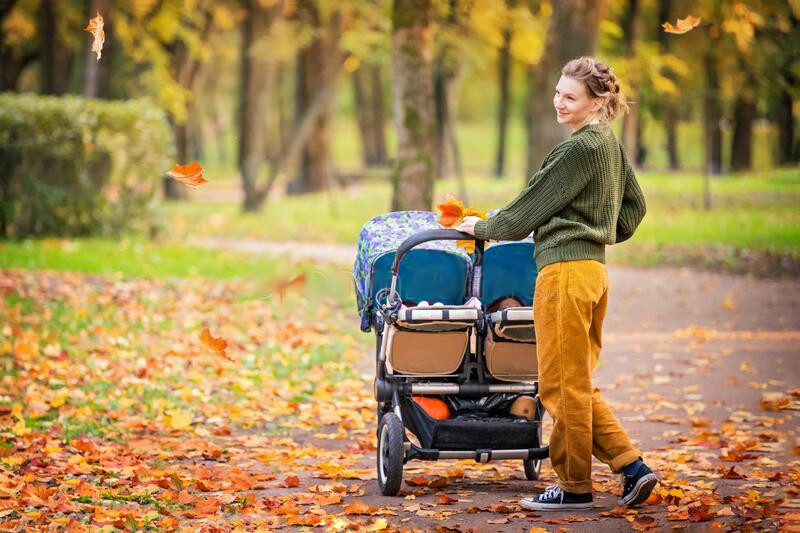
[393, 392]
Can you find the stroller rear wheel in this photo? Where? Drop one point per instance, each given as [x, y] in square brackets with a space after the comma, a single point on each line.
[390, 454]
[534, 466]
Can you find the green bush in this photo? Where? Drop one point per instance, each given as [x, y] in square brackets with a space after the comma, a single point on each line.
[71, 166]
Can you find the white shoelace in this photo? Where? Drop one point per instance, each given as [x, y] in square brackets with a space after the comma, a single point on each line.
[554, 491]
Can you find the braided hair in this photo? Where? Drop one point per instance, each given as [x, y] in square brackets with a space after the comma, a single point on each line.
[601, 82]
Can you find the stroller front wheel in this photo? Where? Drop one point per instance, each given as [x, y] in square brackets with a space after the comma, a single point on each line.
[390, 454]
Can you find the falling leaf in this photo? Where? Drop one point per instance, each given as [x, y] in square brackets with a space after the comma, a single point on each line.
[295, 282]
[682, 25]
[95, 27]
[191, 174]
[218, 345]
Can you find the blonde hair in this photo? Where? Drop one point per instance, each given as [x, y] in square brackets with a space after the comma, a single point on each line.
[601, 82]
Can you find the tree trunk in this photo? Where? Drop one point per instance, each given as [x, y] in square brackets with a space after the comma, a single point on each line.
[669, 110]
[97, 74]
[712, 116]
[368, 92]
[786, 153]
[742, 142]
[412, 52]
[255, 76]
[572, 32]
[504, 73]
[630, 121]
[315, 172]
[55, 59]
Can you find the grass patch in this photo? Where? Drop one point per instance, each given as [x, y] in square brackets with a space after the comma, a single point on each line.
[754, 211]
[143, 259]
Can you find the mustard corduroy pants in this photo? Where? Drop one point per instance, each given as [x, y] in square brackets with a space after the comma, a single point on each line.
[569, 304]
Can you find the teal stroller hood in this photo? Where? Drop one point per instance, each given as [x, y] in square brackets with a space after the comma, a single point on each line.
[435, 271]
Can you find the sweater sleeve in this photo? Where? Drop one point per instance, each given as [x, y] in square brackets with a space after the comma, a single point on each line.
[551, 189]
[633, 205]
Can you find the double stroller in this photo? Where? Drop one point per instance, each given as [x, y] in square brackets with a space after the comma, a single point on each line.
[455, 351]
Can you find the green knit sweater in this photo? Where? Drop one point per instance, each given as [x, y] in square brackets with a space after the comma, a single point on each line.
[584, 197]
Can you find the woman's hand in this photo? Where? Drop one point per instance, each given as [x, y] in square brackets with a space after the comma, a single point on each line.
[468, 225]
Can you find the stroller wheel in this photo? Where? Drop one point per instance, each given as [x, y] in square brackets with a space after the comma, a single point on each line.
[532, 468]
[390, 454]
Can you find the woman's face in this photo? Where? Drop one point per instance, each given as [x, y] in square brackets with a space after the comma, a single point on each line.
[573, 104]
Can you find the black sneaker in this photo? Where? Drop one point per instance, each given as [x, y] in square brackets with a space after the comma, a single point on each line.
[555, 499]
[637, 488]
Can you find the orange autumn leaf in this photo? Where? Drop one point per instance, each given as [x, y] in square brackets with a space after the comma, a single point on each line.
[291, 482]
[294, 282]
[452, 213]
[682, 25]
[218, 345]
[359, 507]
[191, 174]
[95, 27]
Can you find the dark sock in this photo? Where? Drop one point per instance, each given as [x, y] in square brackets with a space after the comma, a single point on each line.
[633, 467]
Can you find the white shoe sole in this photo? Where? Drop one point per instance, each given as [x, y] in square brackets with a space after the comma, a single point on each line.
[533, 505]
[641, 491]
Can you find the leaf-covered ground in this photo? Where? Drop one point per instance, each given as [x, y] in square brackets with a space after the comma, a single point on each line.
[114, 414]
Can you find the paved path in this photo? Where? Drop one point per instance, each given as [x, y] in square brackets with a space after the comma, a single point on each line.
[686, 360]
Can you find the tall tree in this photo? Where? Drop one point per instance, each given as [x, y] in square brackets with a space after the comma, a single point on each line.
[669, 107]
[744, 113]
[97, 74]
[17, 49]
[368, 95]
[503, 81]
[572, 32]
[315, 172]
[256, 76]
[187, 65]
[631, 28]
[412, 53]
[56, 58]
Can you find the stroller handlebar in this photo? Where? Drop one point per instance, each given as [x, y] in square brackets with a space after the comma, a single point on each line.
[434, 235]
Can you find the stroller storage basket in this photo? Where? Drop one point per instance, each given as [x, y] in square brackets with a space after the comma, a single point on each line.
[468, 434]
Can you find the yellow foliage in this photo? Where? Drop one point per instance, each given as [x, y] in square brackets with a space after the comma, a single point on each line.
[17, 28]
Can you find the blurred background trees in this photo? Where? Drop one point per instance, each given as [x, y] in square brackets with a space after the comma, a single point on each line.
[297, 96]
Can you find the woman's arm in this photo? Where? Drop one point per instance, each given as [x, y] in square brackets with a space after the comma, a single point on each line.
[550, 190]
[633, 205]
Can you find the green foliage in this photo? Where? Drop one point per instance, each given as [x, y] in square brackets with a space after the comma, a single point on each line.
[70, 166]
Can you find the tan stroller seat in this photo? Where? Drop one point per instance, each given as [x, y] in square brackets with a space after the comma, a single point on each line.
[511, 345]
[429, 340]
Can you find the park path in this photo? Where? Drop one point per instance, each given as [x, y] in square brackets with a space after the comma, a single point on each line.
[688, 357]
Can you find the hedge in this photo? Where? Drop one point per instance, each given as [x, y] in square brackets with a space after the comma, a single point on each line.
[71, 166]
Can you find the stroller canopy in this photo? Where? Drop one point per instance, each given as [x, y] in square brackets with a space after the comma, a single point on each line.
[435, 271]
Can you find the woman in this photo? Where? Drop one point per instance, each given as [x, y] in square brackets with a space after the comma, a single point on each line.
[583, 197]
